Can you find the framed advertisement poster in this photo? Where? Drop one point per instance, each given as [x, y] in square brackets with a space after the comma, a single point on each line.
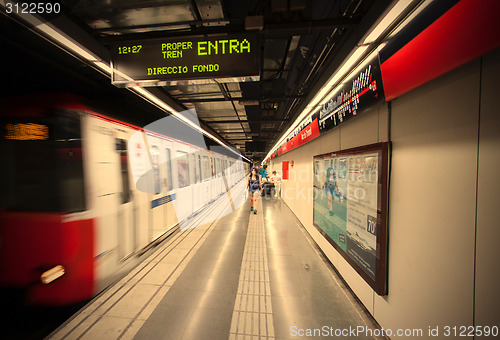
[350, 207]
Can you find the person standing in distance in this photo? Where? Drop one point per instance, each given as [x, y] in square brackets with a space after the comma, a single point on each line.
[276, 179]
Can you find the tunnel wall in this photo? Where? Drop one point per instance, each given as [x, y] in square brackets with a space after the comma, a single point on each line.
[444, 190]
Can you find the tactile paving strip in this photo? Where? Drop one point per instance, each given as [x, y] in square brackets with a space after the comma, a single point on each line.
[253, 312]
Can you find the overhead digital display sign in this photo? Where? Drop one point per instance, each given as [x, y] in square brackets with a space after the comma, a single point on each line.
[185, 58]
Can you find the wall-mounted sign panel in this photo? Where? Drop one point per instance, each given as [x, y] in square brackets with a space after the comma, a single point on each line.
[175, 59]
[361, 92]
[284, 170]
[350, 208]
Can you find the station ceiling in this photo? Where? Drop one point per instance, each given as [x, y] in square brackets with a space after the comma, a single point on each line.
[301, 43]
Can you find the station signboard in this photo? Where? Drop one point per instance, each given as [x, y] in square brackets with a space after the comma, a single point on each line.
[173, 59]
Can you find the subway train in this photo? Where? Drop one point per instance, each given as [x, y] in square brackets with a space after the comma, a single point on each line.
[74, 208]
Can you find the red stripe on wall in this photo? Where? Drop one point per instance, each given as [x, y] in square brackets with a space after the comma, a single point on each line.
[467, 31]
[309, 133]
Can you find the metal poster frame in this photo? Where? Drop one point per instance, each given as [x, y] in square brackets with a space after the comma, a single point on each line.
[366, 250]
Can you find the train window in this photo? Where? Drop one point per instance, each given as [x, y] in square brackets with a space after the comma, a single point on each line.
[67, 136]
[199, 167]
[217, 167]
[196, 169]
[168, 169]
[121, 148]
[42, 168]
[183, 168]
[206, 167]
[155, 156]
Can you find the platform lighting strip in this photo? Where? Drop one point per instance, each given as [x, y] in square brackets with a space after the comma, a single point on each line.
[355, 58]
[67, 43]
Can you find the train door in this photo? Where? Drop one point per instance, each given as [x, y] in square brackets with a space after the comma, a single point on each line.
[170, 214]
[231, 173]
[103, 171]
[216, 178]
[201, 184]
[127, 219]
[228, 173]
[206, 174]
[157, 212]
[225, 176]
[224, 182]
[183, 199]
[220, 182]
[196, 183]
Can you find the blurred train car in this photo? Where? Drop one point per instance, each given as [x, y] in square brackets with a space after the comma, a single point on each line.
[70, 213]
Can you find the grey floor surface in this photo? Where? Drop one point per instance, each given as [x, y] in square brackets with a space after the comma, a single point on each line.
[243, 276]
[304, 294]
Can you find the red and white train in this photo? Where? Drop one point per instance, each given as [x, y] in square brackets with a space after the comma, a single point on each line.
[71, 214]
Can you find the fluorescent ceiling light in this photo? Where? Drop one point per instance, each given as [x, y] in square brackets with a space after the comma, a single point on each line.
[69, 45]
[348, 75]
[326, 89]
[61, 38]
[67, 42]
[103, 66]
[338, 75]
[388, 20]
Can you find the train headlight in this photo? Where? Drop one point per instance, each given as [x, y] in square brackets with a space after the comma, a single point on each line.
[52, 274]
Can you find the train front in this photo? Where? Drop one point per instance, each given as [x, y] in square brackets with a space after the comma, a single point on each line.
[46, 241]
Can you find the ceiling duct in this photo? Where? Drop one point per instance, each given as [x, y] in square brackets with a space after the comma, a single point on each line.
[255, 22]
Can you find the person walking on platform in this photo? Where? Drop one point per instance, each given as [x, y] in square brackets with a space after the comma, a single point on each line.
[263, 173]
[254, 186]
[263, 176]
[330, 188]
